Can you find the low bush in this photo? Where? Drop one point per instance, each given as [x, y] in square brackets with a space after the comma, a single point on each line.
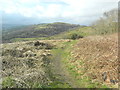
[75, 36]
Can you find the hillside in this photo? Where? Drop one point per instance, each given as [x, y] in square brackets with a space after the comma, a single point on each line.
[62, 55]
[65, 56]
[61, 63]
[29, 65]
[36, 31]
[96, 57]
[83, 31]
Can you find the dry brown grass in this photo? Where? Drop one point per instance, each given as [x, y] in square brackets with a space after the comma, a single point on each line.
[99, 54]
[25, 64]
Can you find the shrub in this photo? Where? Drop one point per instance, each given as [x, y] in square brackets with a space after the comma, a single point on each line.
[43, 45]
[75, 36]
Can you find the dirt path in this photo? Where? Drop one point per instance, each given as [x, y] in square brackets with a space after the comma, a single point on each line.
[61, 72]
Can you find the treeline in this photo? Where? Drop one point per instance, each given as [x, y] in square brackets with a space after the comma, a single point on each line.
[107, 24]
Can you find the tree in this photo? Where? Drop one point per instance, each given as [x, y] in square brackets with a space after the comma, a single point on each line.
[107, 23]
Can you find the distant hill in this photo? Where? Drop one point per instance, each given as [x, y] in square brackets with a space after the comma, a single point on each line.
[39, 30]
[6, 27]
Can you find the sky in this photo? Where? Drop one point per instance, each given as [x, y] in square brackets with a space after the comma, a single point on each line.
[82, 12]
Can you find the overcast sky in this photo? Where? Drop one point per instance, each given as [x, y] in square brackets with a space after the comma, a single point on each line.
[47, 11]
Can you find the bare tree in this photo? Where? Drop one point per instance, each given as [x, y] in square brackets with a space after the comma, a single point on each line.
[107, 23]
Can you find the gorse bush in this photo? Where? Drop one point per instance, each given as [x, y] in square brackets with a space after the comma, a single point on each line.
[75, 36]
[42, 45]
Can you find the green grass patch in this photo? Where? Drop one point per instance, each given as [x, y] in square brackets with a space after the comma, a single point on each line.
[8, 82]
[29, 39]
[81, 31]
[58, 84]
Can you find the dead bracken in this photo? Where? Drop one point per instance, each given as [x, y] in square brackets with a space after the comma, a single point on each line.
[100, 58]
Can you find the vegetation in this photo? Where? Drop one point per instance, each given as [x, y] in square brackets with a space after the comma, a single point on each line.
[79, 80]
[80, 31]
[25, 65]
[107, 24]
[54, 56]
[75, 36]
[37, 31]
[84, 62]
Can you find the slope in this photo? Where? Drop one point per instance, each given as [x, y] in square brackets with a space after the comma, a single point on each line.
[96, 58]
[34, 31]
